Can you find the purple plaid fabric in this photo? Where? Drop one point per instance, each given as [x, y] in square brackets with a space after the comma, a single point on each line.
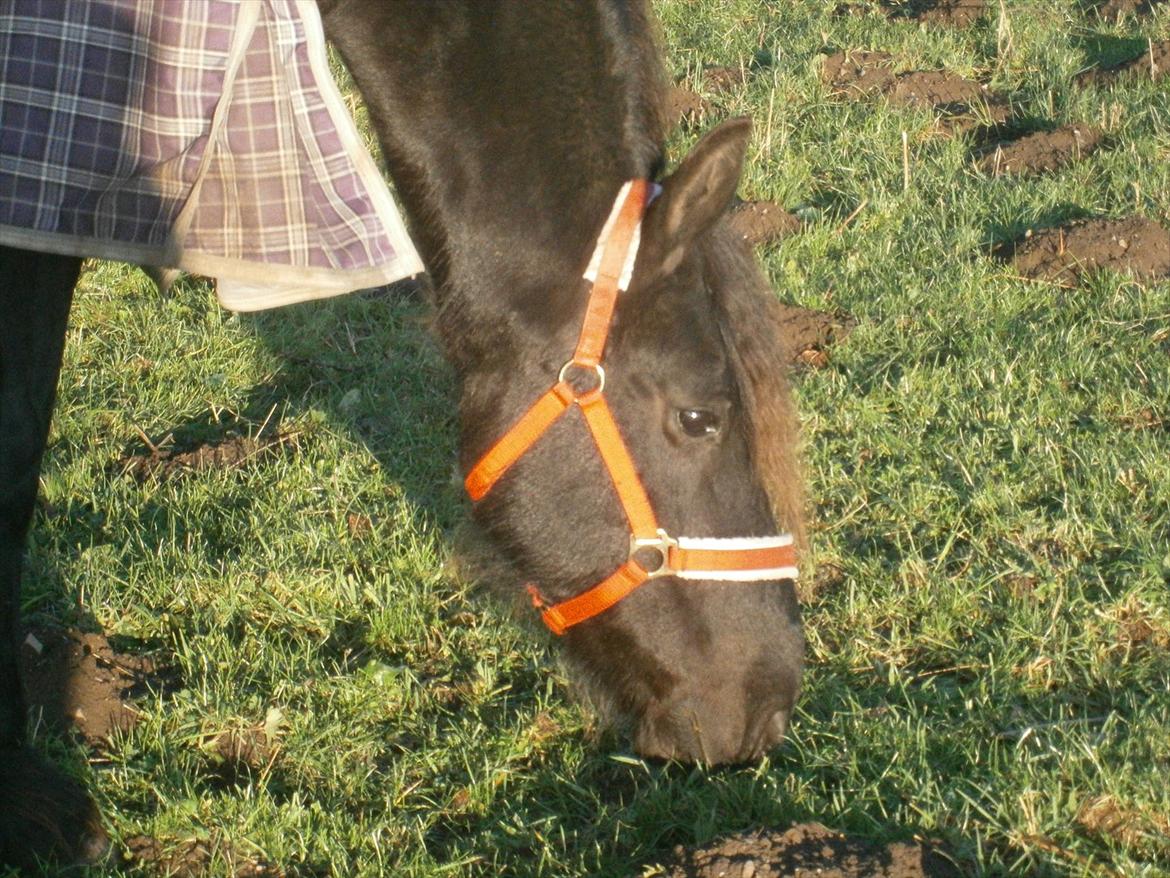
[204, 135]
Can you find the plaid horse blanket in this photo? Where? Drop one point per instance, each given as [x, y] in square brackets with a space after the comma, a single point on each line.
[202, 135]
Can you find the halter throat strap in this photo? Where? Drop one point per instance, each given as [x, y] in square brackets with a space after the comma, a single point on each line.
[653, 552]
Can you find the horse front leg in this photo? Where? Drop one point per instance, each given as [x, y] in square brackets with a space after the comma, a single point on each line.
[42, 812]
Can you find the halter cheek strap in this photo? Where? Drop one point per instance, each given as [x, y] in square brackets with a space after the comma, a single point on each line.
[653, 552]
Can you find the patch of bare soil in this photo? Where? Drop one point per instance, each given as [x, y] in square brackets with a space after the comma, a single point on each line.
[718, 79]
[239, 754]
[856, 73]
[963, 103]
[1153, 64]
[1145, 419]
[1107, 818]
[1041, 152]
[942, 13]
[807, 333]
[808, 850]
[1115, 10]
[1139, 629]
[234, 451]
[685, 107]
[855, 10]
[360, 526]
[78, 681]
[761, 222]
[192, 858]
[1133, 245]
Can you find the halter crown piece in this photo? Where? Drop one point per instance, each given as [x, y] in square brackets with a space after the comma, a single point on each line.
[653, 552]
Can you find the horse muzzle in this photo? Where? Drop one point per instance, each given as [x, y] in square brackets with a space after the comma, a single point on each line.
[696, 730]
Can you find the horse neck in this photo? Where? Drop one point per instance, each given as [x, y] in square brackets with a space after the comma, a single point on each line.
[508, 128]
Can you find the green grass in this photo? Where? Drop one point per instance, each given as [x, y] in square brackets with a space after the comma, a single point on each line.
[988, 463]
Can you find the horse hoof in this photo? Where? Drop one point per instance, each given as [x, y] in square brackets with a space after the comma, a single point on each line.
[46, 816]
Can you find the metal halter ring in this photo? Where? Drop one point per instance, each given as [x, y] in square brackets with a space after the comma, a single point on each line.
[662, 544]
[596, 368]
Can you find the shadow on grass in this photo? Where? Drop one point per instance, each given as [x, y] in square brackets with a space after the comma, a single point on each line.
[1001, 236]
[1106, 50]
[368, 363]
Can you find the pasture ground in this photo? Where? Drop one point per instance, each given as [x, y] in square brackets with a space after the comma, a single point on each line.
[316, 692]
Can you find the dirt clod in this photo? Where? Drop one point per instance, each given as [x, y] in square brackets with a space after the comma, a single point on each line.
[942, 13]
[77, 680]
[807, 333]
[856, 73]
[854, 10]
[1042, 151]
[359, 526]
[1152, 64]
[1145, 419]
[1133, 245]
[760, 222]
[1139, 628]
[963, 102]
[164, 463]
[1106, 817]
[807, 850]
[239, 754]
[718, 79]
[1115, 10]
[192, 858]
[685, 107]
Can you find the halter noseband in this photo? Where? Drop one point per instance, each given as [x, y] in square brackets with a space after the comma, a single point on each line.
[653, 552]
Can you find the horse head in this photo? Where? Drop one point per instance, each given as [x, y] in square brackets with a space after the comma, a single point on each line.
[704, 665]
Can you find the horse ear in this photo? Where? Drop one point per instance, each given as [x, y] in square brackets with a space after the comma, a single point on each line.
[697, 193]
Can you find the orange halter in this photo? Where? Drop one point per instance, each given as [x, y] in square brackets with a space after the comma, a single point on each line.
[741, 559]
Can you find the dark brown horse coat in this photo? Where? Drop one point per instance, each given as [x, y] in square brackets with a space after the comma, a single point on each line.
[508, 128]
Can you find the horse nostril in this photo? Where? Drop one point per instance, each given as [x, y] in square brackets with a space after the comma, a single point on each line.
[653, 739]
[693, 731]
[766, 735]
[684, 731]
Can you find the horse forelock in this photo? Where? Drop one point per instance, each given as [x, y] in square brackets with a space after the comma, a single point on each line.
[748, 321]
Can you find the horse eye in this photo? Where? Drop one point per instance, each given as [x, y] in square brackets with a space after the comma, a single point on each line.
[698, 423]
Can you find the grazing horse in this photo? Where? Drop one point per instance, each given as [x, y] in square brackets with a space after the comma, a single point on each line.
[643, 495]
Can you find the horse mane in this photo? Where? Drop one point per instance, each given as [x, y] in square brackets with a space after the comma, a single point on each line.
[748, 316]
[748, 313]
[636, 39]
